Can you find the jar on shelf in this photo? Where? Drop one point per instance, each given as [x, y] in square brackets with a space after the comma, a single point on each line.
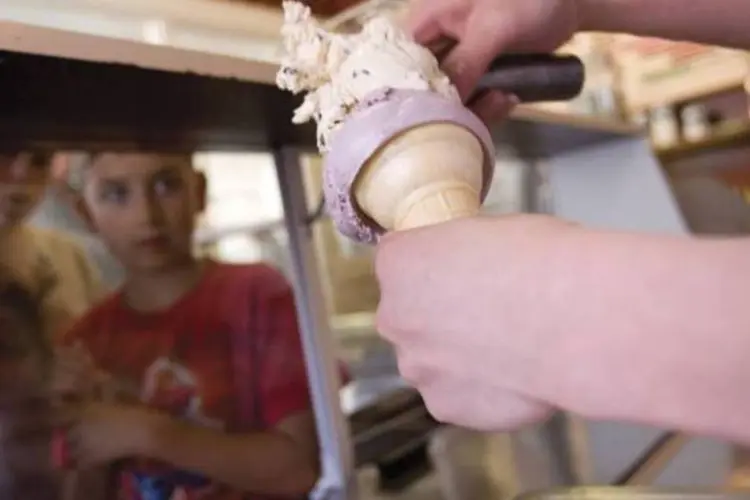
[695, 125]
[663, 127]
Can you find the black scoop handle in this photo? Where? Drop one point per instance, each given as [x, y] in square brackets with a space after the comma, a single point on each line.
[534, 77]
[530, 77]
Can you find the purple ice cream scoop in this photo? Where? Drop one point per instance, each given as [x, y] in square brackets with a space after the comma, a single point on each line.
[379, 118]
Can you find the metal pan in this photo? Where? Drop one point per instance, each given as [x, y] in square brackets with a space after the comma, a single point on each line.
[632, 493]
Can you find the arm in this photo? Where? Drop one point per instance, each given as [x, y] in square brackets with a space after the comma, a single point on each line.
[653, 329]
[610, 325]
[716, 22]
[277, 462]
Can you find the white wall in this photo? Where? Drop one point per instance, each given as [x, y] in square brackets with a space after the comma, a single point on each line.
[243, 192]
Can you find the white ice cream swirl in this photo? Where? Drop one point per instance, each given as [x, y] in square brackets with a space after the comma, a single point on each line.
[339, 71]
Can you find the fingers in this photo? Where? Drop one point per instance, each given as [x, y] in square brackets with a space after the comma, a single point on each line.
[483, 30]
[483, 37]
[74, 372]
[32, 440]
[34, 429]
[24, 427]
[76, 354]
[72, 445]
[481, 407]
[429, 20]
[472, 403]
[493, 106]
[62, 459]
[457, 398]
[72, 361]
[68, 443]
[422, 24]
[67, 383]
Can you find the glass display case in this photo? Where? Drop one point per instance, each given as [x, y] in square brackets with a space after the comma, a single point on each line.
[198, 75]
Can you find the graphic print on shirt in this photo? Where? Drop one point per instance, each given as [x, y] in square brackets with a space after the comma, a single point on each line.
[170, 387]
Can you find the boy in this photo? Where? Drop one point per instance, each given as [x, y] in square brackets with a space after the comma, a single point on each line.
[25, 416]
[47, 262]
[208, 354]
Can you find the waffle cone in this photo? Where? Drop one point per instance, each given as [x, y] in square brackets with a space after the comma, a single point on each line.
[426, 175]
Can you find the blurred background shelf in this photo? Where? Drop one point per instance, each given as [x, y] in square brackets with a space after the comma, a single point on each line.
[542, 114]
[726, 136]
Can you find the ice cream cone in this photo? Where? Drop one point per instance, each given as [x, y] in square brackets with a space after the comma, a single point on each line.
[428, 174]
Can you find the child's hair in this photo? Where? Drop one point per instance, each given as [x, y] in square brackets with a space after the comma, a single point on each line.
[37, 158]
[42, 159]
[22, 329]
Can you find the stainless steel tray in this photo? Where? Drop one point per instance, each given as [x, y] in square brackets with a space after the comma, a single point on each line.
[632, 493]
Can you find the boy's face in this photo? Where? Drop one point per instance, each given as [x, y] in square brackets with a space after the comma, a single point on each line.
[23, 180]
[144, 207]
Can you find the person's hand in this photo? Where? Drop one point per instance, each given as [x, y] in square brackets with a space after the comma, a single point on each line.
[487, 28]
[101, 433]
[74, 375]
[466, 316]
[27, 421]
[76, 378]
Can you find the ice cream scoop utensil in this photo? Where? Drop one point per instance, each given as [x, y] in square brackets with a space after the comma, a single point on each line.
[531, 78]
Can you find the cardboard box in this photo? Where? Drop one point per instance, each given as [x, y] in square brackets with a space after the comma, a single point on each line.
[654, 72]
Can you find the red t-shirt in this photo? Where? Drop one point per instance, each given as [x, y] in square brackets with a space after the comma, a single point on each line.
[228, 354]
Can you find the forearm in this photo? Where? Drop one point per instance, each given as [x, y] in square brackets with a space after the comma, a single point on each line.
[264, 462]
[654, 329]
[716, 22]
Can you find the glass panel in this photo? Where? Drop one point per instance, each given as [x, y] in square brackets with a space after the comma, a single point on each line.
[150, 380]
[150, 348]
